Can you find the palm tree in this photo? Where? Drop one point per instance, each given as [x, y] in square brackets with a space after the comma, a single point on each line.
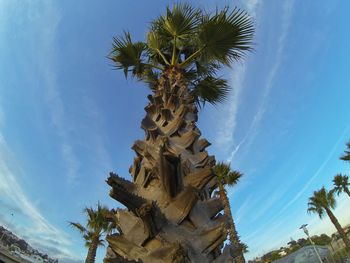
[322, 202]
[97, 225]
[341, 184]
[227, 177]
[346, 155]
[171, 216]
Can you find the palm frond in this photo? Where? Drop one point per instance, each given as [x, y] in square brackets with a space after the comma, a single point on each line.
[128, 55]
[321, 200]
[346, 155]
[211, 89]
[316, 210]
[225, 36]
[341, 183]
[225, 175]
[233, 178]
[180, 21]
[78, 226]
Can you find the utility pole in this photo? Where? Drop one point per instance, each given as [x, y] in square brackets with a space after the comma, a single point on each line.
[303, 227]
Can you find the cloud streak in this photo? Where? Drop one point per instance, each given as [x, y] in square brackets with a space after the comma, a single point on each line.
[281, 42]
[39, 231]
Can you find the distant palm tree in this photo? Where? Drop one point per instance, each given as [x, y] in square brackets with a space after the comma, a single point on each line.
[97, 225]
[323, 202]
[227, 177]
[341, 184]
[346, 155]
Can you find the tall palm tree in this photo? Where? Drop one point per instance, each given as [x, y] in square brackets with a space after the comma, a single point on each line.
[341, 184]
[96, 227]
[322, 202]
[346, 155]
[227, 177]
[171, 216]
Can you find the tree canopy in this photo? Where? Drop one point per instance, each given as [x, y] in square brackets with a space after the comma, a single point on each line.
[192, 40]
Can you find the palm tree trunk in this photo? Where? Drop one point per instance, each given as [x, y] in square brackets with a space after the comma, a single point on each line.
[172, 177]
[233, 236]
[90, 258]
[339, 229]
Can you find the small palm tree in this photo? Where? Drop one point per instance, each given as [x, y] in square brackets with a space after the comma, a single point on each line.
[322, 202]
[227, 177]
[346, 155]
[97, 225]
[341, 184]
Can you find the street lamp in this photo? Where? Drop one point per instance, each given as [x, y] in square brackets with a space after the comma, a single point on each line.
[303, 227]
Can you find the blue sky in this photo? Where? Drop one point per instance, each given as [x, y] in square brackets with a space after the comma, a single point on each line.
[67, 118]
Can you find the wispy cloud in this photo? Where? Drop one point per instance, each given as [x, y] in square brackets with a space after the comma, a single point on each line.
[39, 231]
[48, 23]
[281, 42]
[226, 132]
[319, 170]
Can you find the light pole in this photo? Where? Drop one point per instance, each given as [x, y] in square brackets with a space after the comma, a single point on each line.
[303, 227]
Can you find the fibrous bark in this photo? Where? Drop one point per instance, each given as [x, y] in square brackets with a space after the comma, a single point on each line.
[171, 215]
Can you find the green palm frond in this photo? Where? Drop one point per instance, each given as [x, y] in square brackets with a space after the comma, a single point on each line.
[341, 183]
[346, 155]
[233, 178]
[316, 210]
[225, 175]
[211, 89]
[128, 56]
[321, 200]
[78, 226]
[225, 36]
[221, 169]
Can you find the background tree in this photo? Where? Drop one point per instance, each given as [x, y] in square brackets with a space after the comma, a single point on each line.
[322, 202]
[346, 155]
[227, 177]
[171, 214]
[97, 225]
[341, 184]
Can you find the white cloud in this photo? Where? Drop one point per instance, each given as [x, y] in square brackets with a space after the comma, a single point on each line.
[225, 136]
[48, 22]
[319, 170]
[225, 133]
[281, 42]
[39, 231]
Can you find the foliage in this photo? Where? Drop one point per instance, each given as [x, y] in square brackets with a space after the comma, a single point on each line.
[96, 225]
[189, 39]
[320, 201]
[346, 155]
[341, 183]
[321, 240]
[225, 175]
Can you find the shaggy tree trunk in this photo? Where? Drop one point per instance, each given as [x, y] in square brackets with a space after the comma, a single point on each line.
[90, 258]
[339, 229]
[233, 235]
[170, 216]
